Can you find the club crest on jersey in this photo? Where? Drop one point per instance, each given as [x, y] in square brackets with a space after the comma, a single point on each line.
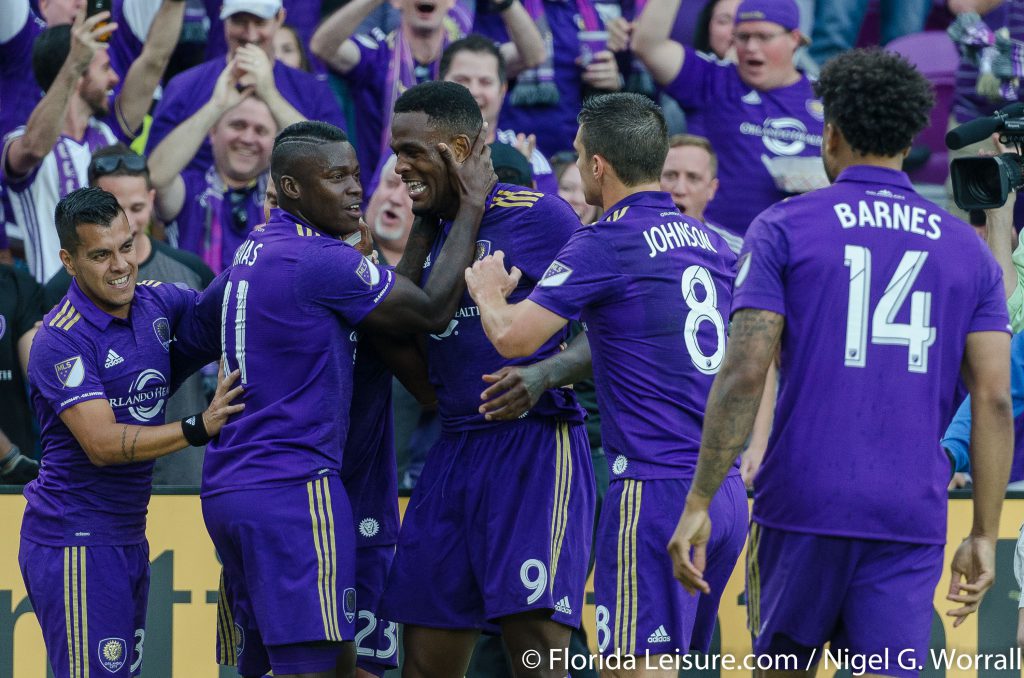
[112, 653]
[367, 272]
[3, 325]
[483, 248]
[742, 269]
[162, 328]
[71, 372]
[350, 604]
[556, 274]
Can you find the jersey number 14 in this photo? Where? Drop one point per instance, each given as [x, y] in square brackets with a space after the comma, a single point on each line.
[917, 335]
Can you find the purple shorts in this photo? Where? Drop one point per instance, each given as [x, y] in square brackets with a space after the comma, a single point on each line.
[868, 596]
[91, 604]
[288, 577]
[654, 613]
[376, 638]
[499, 523]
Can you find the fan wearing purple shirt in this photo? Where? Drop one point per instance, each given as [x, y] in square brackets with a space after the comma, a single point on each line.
[293, 298]
[101, 369]
[653, 289]
[758, 113]
[214, 207]
[249, 25]
[876, 301]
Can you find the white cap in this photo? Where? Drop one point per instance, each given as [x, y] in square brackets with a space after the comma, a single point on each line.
[264, 9]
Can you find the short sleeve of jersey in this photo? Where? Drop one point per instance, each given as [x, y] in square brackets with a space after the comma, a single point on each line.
[333, 275]
[584, 273]
[373, 56]
[541, 232]
[762, 264]
[694, 86]
[64, 372]
[991, 314]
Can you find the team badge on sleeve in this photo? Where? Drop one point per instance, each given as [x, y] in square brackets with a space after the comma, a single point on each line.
[112, 653]
[163, 332]
[556, 274]
[71, 372]
[368, 272]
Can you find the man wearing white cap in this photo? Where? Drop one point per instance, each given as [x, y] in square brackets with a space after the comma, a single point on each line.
[249, 28]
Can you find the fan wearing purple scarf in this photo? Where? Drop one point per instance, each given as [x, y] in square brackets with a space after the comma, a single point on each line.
[214, 207]
[380, 67]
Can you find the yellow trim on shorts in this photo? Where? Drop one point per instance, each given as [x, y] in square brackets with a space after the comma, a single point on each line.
[76, 611]
[226, 627]
[753, 581]
[322, 519]
[626, 580]
[563, 489]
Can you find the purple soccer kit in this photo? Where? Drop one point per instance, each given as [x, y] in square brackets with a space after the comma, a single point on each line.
[747, 128]
[84, 555]
[879, 289]
[653, 289]
[500, 521]
[292, 299]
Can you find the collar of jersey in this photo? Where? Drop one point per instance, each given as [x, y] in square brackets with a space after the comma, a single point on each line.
[876, 175]
[90, 311]
[280, 217]
[656, 199]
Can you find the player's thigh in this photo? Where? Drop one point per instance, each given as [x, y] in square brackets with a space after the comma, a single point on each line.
[238, 642]
[436, 653]
[91, 605]
[652, 666]
[533, 635]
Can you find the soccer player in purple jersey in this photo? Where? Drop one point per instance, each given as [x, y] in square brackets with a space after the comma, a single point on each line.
[294, 296]
[496, 535]
[652, 287]
[101, 369]
[877, 300]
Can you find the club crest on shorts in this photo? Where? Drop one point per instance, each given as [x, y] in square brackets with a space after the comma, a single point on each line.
[112, 653]
[350, 604]
[619, 467]
[367, 272]
[162, 328]
[369, 527]
[71, 372]
[483, 248]
[556, 274]
[239, 640]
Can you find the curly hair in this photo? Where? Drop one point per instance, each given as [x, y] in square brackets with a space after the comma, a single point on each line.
[877, 99]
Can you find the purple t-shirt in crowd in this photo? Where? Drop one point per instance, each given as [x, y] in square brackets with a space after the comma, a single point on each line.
[653, 289]
[745, 125]
[188, 91]
[293, 298]
[530, 228]
[82, 353]
[879, 289]
[208, 203]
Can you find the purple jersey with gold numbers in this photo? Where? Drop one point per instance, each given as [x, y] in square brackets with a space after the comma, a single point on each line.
[653, 288]
[879, 289]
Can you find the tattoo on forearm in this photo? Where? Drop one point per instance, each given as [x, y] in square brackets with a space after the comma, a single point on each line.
[733, 402]
[124, 432]
[131, 454]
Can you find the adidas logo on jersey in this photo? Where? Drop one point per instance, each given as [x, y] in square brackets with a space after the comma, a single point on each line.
[563, 606]
[660, 635]
[113, 359]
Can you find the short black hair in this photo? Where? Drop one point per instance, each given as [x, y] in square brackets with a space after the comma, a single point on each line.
[296, 141]
[447, 104]
[510, 165]
[628, 130]
[877, 99]
[474, 42]
[49, 52]
[88, 205]
[118, 150]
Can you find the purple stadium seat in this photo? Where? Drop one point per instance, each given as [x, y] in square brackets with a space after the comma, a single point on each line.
[936, 57]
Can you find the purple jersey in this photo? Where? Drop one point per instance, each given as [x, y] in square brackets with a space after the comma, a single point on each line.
[529, 228]
[653, 288]
[879, 289]
[80, 354]
[188, 91]
[292, 300]
[214, 219]
[747, 127]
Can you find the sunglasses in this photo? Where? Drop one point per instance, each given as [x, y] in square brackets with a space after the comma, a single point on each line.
[108, 164]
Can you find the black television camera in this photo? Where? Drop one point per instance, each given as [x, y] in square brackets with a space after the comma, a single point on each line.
[985, 183]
